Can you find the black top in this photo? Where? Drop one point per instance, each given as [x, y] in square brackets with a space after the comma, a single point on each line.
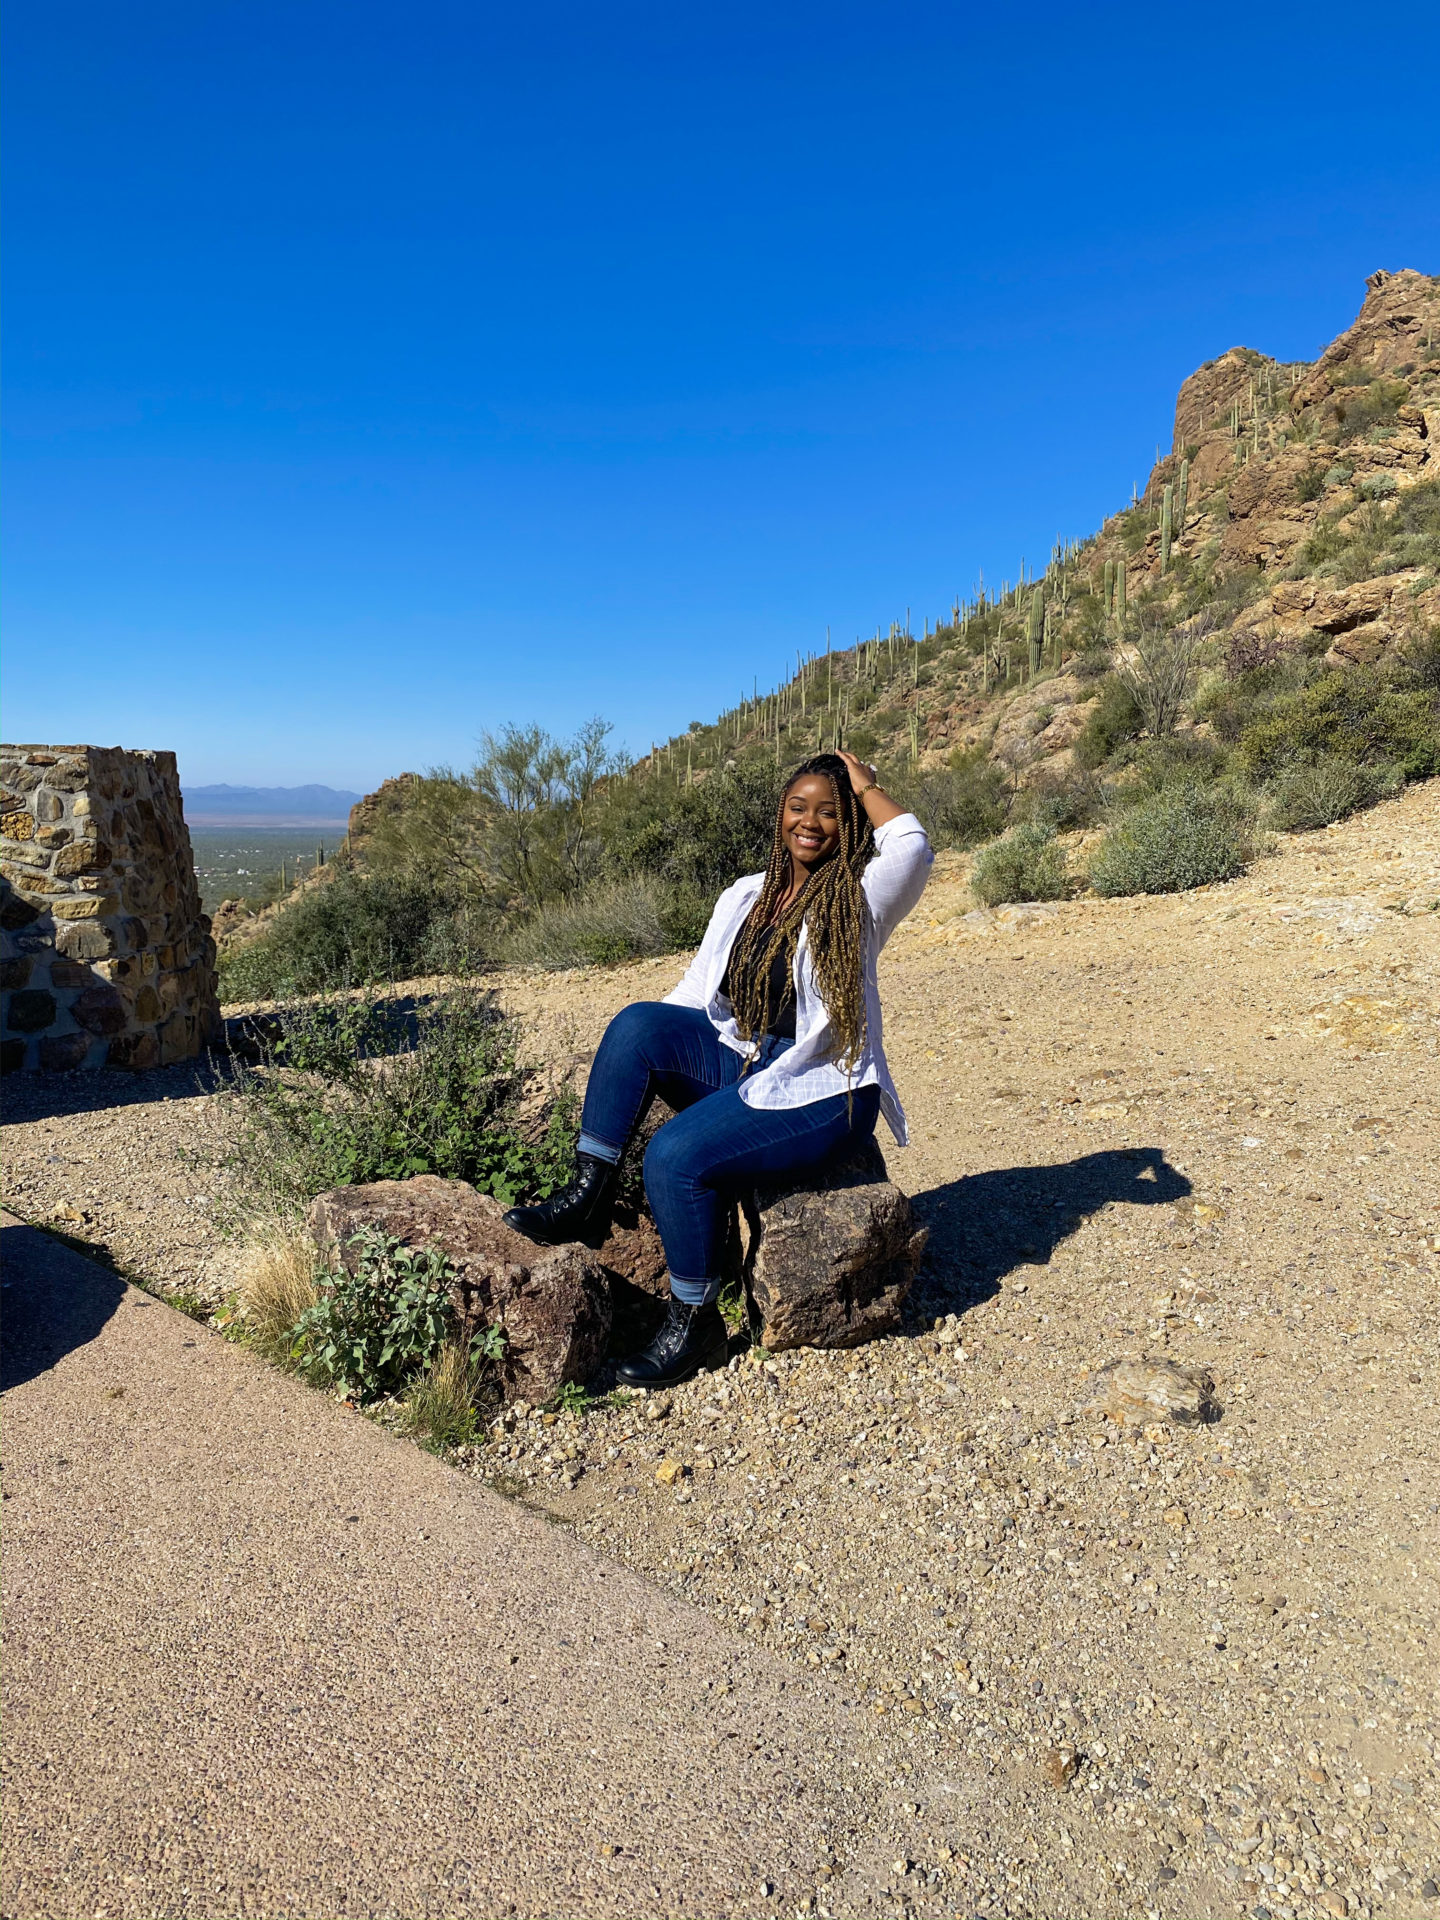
[782, 996]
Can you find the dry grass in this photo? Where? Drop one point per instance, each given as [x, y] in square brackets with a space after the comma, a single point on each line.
[277, 1284]
[441, 1406]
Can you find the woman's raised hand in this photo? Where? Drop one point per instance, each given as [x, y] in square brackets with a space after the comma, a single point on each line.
[861, 775]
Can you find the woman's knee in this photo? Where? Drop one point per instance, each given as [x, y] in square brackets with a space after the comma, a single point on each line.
[631, 1022]
[670, 1161]
[645, 1027]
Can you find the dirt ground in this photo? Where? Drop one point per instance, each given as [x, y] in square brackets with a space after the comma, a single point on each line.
[1202, 1126]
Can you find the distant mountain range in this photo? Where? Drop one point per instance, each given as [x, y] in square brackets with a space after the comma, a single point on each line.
[226, 806]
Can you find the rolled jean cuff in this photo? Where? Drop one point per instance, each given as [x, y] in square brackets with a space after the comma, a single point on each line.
[598, 1149]
[694, 1293]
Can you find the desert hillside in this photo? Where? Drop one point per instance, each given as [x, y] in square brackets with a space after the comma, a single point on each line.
[1298, 505]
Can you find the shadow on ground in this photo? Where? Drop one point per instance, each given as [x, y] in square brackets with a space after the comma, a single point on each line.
[54, 1301]
[988, 1224]
[392, 1026]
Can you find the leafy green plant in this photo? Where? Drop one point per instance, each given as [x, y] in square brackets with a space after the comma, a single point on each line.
[371, 1329]
[355, 1090]
[1024, 864]
[1189, 758]
[1182, 837]
[699, 838]
[1368, 412]
[572, 1397]
[1310, 482]
[1061, 799]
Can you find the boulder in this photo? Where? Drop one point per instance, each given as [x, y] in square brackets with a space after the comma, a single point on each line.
[553, 1302]
[633, 1262]
[831, 1257]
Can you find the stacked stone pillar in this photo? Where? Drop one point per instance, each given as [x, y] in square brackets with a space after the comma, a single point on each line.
[105, 956]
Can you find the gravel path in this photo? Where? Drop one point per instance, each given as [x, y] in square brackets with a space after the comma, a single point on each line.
[1203, 1126]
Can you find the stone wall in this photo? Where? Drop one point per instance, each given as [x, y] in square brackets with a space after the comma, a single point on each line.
[105, 956]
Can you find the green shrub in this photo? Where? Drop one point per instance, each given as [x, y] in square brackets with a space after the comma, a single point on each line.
[335, 1104]
[370, 1331]
[1180, 838]
[1420, 662]
[615, 920]
[1114, 717]
[1094, 660]
[1135, 526]
[959, 805]
[1310, 795]
[1062, 799]
[701, 837]
[351, 931]
[1024, 864]
[1192, 759]
[1254, 680]
[1310, 482]
[1414, 527]
[1361, 715]
[1368, 412]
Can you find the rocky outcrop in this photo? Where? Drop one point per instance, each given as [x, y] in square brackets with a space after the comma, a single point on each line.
[108, 960]
[1204, 403]
[1393, 333]
[389, 797]
[552, 1302]
[830, 1261]
[1364, 621]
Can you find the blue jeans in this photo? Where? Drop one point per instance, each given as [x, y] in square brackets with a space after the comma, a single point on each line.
[716, 1144]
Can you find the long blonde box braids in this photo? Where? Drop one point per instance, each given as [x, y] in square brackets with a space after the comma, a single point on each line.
[832, 908]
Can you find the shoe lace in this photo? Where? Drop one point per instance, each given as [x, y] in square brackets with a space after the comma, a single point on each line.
[671, 1336]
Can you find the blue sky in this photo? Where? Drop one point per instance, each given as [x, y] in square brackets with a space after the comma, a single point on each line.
[379, 373]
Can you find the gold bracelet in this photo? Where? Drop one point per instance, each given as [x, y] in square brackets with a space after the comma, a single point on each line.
[860, 792]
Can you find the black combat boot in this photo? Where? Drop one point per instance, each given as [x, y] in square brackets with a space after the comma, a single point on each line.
[691, 1338]
[580, 1212]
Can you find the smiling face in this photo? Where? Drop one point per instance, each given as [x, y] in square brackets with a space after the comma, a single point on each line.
[810, 822]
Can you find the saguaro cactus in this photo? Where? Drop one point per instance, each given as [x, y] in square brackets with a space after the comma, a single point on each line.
[1035, 630]
[1167, 527]
[1107, 588]
[1119, 590]
[1182, 497]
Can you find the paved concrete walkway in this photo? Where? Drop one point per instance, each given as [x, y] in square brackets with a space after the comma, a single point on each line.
[265, 1659]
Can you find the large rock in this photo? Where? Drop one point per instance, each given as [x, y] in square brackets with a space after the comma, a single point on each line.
[1140, 1388]
[831, 1258]
[633, 1262]
[553, 1302]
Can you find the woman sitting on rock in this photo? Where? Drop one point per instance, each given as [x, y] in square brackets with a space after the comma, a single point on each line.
[769, 1048]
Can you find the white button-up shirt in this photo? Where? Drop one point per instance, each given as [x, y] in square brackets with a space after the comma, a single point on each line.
[892, 883]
